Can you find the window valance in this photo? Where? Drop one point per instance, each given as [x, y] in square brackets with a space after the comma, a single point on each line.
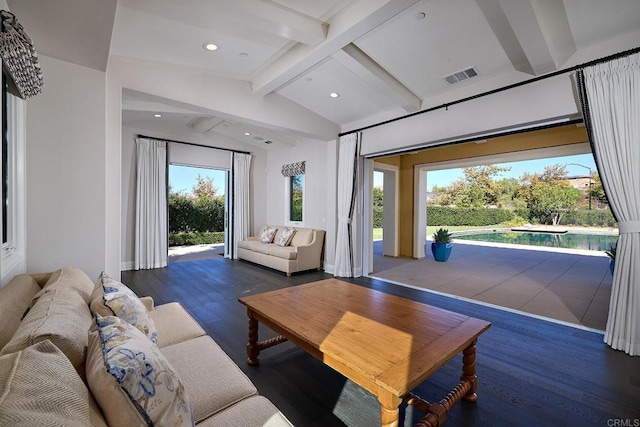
[293, 169]
[19, 57]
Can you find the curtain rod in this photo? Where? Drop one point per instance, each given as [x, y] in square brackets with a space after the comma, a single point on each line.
[501, 89]
[194, 144]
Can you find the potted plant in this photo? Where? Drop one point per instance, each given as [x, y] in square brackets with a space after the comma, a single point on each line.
[441, 246]
[611, 253]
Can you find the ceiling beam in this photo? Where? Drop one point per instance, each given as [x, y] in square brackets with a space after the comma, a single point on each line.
[204, 124]
[363, 66]
[224, 15]
[534, 34]
[344, 28]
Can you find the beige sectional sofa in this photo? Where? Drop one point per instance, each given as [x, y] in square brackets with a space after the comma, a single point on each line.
[303, 252]
[49, 361]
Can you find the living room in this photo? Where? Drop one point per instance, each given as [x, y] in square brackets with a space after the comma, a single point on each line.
[76, 167]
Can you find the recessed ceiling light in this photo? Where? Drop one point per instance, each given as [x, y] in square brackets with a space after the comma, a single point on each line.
[210, 46]
[247, 133]
[420, 16]
[334, 94]
[157, 115]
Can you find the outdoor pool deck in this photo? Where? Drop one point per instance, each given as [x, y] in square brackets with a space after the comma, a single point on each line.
[568, 286]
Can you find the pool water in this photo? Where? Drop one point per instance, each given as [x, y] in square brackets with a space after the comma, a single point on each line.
[591, 242]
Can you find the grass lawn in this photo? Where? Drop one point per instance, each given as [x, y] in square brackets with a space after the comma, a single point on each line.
[377, 232]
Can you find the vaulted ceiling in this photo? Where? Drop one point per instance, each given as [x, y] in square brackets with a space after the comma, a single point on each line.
[383, 58]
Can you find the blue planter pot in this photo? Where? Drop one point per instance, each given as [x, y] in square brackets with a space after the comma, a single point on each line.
[441, 251]
[612, 265]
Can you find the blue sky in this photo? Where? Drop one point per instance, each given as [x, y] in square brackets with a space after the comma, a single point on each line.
[184, 177]
[445, 177]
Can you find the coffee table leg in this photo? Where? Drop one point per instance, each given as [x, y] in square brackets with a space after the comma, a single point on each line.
[389, 410]
[469, 371]
[253, 349]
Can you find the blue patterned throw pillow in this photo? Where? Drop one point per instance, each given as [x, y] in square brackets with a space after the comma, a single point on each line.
[138, 386]
[112, 298]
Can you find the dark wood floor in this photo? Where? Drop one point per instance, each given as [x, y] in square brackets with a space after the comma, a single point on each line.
[531, 372]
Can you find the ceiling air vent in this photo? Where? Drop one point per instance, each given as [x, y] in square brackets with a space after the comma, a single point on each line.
[461, 75]
[268, 142]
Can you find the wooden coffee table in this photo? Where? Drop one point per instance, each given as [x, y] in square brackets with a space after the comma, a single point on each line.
[386, 344]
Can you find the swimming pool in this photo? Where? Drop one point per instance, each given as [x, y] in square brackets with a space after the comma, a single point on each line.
[591, 242]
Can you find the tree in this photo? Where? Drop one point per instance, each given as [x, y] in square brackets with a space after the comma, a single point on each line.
[548, 194]
[478, 188]
[597, 191]
[204, 188]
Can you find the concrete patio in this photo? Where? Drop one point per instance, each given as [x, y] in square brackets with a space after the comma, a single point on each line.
[564, 285]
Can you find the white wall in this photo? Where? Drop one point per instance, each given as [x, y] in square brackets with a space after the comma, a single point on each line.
[183, 133]
[66, 197]
[319, 188]
[315, 190]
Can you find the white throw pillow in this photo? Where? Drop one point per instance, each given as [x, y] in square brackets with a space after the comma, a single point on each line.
[286, 236]
[267, 234]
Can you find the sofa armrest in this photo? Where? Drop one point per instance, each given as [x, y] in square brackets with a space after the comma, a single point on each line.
[148, 303]
[310, 255]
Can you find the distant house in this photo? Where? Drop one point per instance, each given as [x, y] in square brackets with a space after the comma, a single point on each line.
[581, 182]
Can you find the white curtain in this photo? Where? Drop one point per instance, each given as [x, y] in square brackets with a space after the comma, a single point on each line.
[151, 204]
[347, 160]
[240, 209]
[611, 102]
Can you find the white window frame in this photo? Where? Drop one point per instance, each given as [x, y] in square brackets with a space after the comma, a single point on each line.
[287, 202]
[13, 252]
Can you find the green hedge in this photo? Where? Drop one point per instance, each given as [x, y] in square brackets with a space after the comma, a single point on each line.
[377, 216]
[201, 215]
[186, 239]
[585, 217]
[447, 215]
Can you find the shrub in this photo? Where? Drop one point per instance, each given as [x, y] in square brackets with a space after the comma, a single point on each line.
[186, 215]
[187, 239]
[377, 217]
[589, 218]
[450, 216]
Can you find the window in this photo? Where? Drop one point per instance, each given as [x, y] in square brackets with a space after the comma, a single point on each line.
[6, 196]
[295, 198]
[13, 187]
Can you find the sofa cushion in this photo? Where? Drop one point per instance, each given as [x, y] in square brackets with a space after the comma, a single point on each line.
[287, 252]
[285, 236]
[39, 387]
[255, 411]
[212, 380]
[267, 234]
[70, 278]
[174, 324]
[61, 316]
[15, 300]
[139, 387]
[112, 298]
[302, 237]
[255, 246]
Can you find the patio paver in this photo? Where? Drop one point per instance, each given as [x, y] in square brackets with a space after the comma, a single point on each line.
[569, 287]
